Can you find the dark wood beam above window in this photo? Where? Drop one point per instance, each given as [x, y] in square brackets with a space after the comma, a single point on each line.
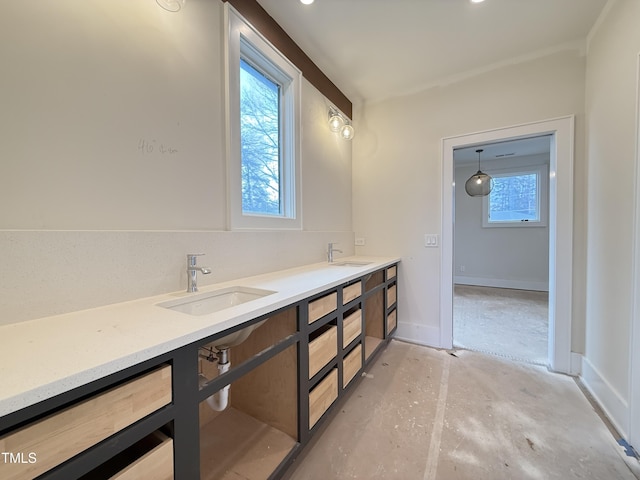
[267, 26]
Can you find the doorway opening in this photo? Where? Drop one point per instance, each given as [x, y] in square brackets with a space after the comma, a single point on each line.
[501, 251]
[560, 221]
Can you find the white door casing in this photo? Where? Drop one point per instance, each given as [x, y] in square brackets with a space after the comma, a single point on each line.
[560, 229]
[634, 338]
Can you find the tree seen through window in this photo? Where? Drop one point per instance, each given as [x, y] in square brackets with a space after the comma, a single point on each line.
[260, 139]
[514, 198]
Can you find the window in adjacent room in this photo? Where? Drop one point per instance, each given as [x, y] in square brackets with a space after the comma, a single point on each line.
[263, 125]
[518, 198]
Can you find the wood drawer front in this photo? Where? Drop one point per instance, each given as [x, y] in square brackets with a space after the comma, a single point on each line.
[391, 272]
[351, 292]
[351, 328]
[61, 435]
[391, 295]
[157, 464]
[322, 306]
[392, 321]
[322, 350]
[322, 396]
[351, 365]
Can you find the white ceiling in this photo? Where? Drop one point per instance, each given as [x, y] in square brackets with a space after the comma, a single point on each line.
[503, 150]
[375, 49]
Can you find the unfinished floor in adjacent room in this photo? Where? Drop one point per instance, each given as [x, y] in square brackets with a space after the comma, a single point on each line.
[502, 321]
[421, 413]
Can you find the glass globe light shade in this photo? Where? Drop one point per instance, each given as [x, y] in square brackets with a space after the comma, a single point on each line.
[347, 132]
[479, 185]
[335, 122]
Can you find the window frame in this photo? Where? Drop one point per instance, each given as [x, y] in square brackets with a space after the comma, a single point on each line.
[242, 40]
[542, 172]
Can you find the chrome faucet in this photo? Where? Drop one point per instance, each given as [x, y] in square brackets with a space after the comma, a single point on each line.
[330, 251]
[192, 271]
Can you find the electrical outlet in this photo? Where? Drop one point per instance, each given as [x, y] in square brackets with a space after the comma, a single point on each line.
[431, 240]
[463, 268]
[360, 242]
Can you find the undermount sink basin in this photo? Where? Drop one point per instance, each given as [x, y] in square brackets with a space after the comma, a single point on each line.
[350, 264]
[215, 301]
[236, 338]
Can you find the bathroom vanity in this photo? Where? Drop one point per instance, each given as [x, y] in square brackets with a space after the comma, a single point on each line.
[150, 401]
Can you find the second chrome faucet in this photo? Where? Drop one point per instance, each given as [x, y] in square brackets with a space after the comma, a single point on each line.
[192, 271]
[330, 251]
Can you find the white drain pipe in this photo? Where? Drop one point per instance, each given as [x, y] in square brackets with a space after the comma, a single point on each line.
[220, 400]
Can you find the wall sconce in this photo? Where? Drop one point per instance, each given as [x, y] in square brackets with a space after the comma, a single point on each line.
[338, 123]
[171, 5]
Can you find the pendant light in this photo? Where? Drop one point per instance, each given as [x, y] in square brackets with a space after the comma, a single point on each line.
[480, 184]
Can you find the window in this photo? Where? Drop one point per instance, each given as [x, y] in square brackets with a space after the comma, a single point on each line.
[260, 140]
[263, 124]
[518, 198]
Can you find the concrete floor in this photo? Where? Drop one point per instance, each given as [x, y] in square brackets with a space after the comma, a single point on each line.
[502, 321]
[421, 413]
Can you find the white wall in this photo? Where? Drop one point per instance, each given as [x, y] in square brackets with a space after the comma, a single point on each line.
[398, 173]
[611, 90]
[87, 217]
[508, 257]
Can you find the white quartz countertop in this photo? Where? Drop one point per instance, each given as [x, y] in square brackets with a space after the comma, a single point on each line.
[45, 357]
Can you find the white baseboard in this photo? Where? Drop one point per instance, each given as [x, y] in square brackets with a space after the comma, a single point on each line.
[613, 405]
[575, 367]
[502, 283]
[420, 334]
